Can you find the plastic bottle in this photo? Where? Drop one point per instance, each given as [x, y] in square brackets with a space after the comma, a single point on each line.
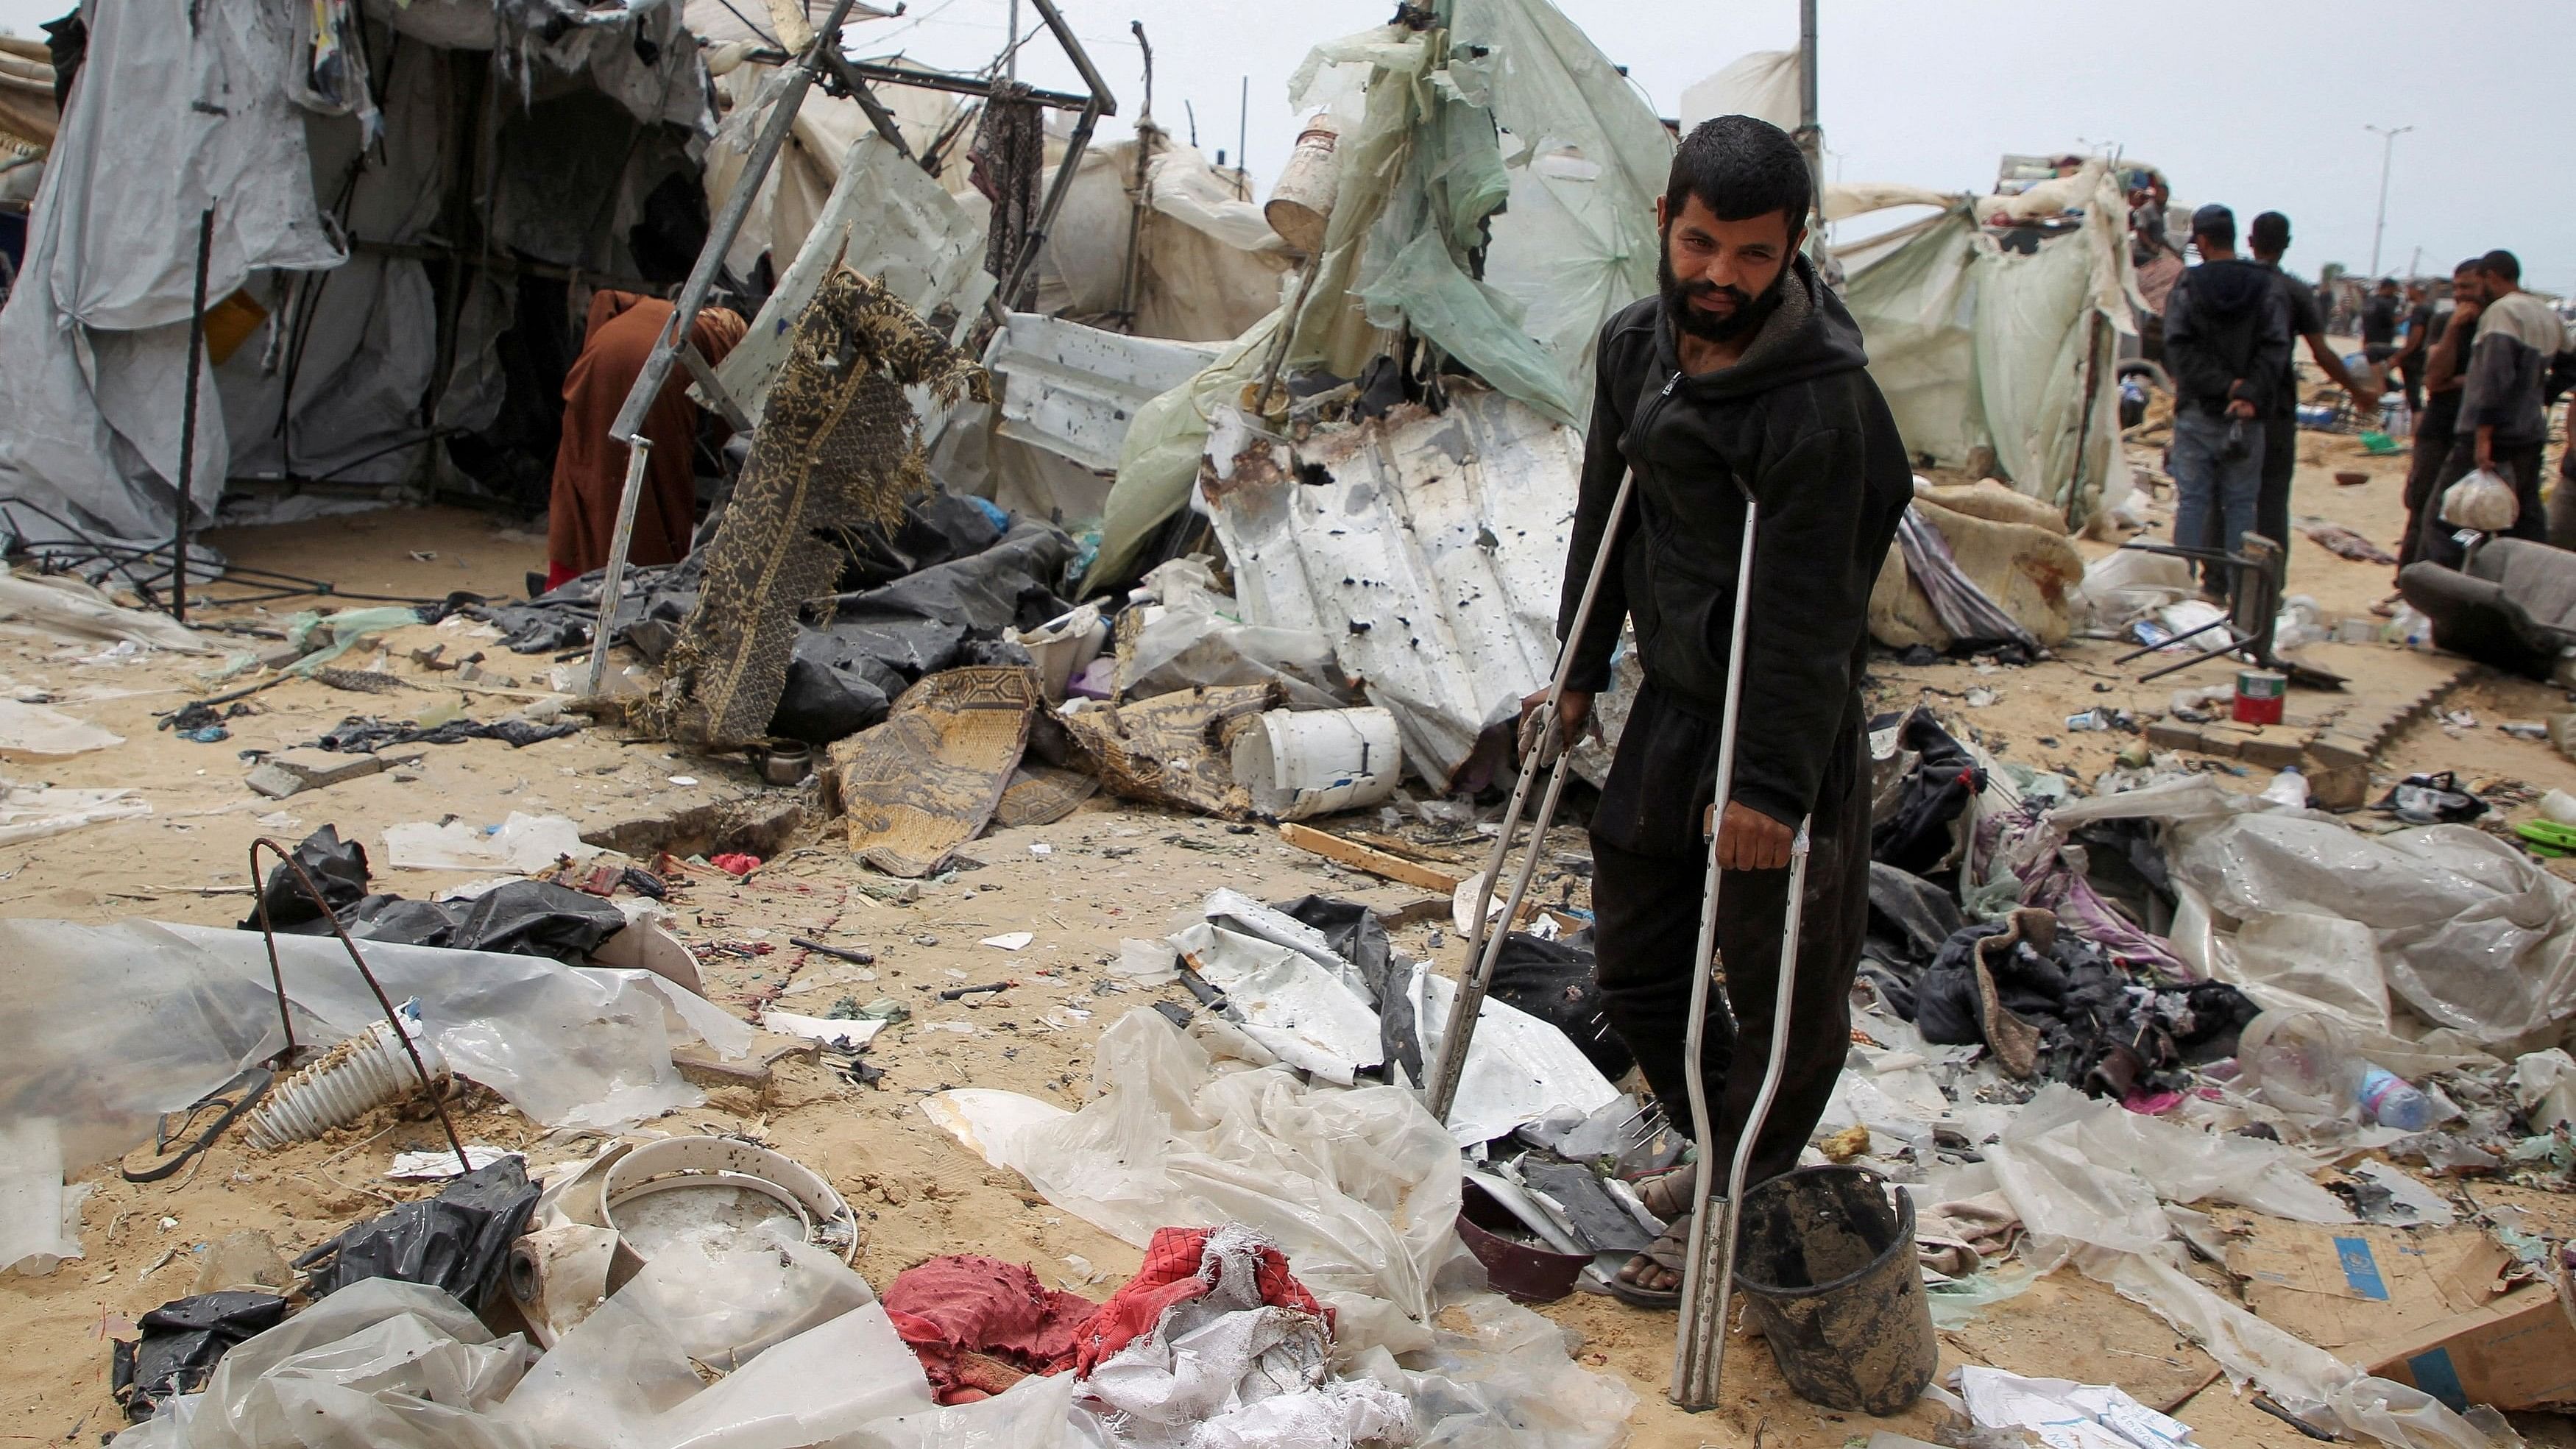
[2393, 1101]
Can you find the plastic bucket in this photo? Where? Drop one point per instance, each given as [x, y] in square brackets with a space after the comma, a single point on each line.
[1302, 201]
[1299, 763]
[1827, 1264]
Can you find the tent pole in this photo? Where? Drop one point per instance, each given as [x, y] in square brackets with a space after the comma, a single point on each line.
[188, 420]
[684, 315]
[1811, 135]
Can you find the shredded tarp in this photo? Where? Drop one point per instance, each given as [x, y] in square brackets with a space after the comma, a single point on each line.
[1496, 187]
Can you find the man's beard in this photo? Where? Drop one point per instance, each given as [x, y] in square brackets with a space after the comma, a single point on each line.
[1749, 314]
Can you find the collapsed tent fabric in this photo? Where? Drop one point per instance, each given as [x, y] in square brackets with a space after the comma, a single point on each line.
[1976, 346]
[1496, 184]
[307, 194]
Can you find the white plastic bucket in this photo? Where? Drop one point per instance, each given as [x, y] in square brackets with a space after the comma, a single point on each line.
[1301, 763]
[1302, 200]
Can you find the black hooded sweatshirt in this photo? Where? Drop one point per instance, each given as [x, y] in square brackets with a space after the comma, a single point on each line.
[1798, 423]
[2227, 324]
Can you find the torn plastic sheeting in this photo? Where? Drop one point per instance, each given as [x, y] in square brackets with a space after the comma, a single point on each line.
[2083, 1172]
[381, 1362]
[1496, 1376]
[36, 731]
[1036, 1413]
[457, 1241]
[2470, 933]
[40, 812]
[2065, 1414]
[1286, 1003]
[1432, 559]
[1359, 1187]
[1073, 390]
[69, 609]
[1519, 1069]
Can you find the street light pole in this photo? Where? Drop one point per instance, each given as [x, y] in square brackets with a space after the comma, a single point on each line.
[2387, 154]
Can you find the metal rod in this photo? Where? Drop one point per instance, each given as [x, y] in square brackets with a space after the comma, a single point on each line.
[1703, 1322]
[277, 977]
[1102, 103]
[1483, 953]
[639, 450]
[188, 418]
[684, 316]
[1811, 134]
[1688, 1349]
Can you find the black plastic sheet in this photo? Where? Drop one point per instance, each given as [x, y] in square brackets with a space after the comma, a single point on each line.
[458, 1241]
[181, 1342]
[519, 918]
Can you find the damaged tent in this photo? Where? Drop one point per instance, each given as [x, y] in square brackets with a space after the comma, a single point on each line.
[1983, 350]
[1495, 179]
[403, 208]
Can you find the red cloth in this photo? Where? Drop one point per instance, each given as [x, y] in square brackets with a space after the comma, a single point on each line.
[1174, 1272]
[966, 1316]
[955, 1309]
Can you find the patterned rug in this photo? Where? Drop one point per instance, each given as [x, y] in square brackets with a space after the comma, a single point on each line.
[925, 781]
[835, 453]
[1043, 795]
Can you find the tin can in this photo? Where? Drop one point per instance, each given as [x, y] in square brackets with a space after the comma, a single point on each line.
[2259, 693]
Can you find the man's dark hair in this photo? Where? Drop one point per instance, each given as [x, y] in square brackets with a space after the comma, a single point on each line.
[2269, 232]
[2502, 263]
[1740, 168]
[2471, 265]
[2216, 223]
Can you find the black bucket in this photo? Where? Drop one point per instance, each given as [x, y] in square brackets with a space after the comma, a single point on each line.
[1829, 1268]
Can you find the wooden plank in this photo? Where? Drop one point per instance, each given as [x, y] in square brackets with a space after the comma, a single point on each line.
[1374, 862]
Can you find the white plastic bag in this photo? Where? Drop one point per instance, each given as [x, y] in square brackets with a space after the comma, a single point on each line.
[2483, 501]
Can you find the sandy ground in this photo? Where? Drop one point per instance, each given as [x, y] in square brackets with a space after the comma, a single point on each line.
[1111, 872]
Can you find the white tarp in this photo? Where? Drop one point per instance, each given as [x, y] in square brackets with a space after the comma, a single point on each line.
[1207, 265]
[1758, 83]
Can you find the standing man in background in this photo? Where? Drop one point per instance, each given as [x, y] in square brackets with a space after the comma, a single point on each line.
[2504, 422]
[2416, 346]
[2444, 356]
[2227, 345]
[2268, 238]
[2379, 318]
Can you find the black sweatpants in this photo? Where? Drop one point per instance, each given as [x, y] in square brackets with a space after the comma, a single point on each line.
[1646, 906]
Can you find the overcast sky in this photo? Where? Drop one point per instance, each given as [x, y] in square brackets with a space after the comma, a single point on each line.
[2257, 103]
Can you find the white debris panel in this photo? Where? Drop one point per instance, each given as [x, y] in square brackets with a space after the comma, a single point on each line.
[1427, 546]
[1073, 390]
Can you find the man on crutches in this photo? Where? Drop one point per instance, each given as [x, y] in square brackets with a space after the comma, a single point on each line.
[1738, 399]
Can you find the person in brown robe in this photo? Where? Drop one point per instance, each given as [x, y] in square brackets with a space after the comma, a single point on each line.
[590, 470]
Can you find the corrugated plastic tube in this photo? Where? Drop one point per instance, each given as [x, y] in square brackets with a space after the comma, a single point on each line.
[366, 1071]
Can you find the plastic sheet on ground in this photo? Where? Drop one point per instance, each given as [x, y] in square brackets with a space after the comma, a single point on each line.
[69, 609]
[35, 812]
[42, 732]
[1359, 1187]
[521, 843]
[141, 1018]
[2468, 931]
[2065, 1414]
[1519, 1069]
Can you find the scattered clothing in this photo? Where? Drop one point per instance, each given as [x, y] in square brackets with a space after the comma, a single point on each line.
[979, 1325]
[181, 1342]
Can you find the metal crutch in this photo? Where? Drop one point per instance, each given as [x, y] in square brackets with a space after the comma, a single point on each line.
[1484, 948]
[1699, 1345]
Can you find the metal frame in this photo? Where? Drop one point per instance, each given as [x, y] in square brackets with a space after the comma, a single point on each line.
[673, 347]
[1485, 946]
[2254, 594]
